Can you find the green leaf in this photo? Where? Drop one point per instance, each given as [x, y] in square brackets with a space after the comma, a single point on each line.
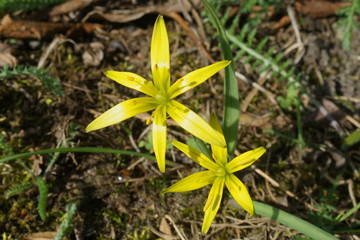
[231, 102]
[352, 139]
[67, 224]
[17, 189]
[199, 145]
[15, 5]
[43, 192]
[289, 220]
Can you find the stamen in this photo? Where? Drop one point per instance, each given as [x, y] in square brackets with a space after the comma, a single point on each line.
[148, 121]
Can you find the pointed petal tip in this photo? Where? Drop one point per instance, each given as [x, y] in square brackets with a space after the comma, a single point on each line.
[252, 213]
[261, 150]
[160, 159]
[227, 62]
[250, 210]
[90, 128]
[108, 73]
[162, 169]
[205, 229]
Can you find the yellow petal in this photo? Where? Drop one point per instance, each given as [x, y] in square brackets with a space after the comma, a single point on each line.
[134, 81]
[122, 111]
[195, 78]
[192, 182]
[160, 55]
[194, 124]
[244, 160]
[159, 136]
[197, 156]
[213, 203]
[239, 193]
[219, 153]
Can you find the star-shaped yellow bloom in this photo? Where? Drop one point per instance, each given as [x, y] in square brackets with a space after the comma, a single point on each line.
[161, 97]
[219, 173]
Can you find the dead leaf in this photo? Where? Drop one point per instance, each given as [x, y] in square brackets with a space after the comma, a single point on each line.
[251, 120]
[270, 11]
[6, 58]
[127, 15]
[41, 236]
[319, 9]
[93, 55]
[165, 227]
[38, 160]
[318, 119]
[69, 6]
[10, 28]
[284, 21]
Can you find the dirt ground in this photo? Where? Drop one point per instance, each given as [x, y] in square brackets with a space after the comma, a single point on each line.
[118, 196]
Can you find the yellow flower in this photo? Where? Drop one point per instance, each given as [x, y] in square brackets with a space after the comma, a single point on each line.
[161, 97]
[219, 173]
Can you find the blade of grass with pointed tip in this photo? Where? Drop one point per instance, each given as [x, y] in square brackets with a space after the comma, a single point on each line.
[77, 149]
[231, 103]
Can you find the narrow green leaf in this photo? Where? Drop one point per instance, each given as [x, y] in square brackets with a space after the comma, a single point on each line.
[78, 149]
[289, 220]
[17, 189]
[43, 192]
[67, 224]
[231, 94]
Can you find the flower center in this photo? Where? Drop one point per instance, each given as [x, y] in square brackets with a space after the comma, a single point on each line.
[162, 98]
[221, 172]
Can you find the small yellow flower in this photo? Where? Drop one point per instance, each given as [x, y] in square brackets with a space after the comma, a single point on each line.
[219, 173]
[161, 97]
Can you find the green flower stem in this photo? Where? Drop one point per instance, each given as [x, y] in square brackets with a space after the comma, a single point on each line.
[78, 149]
[289, 220]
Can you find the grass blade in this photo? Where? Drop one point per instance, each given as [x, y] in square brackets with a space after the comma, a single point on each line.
[77, 149]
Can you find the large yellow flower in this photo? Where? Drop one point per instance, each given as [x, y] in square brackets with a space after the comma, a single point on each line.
[219, 173]
[161, 97]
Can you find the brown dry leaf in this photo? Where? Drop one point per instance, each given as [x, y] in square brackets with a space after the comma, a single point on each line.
[69, 6]
[93, 55]
[123, 16]
[284, 21]
[270, 11]
[317, 119]
[37, 160]
[251, 120]
[6, 58]
[264, 122]
[165, 227]
[318, 9]
[41, 236]
[10, 28]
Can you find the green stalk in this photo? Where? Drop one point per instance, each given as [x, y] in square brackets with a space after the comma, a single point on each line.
[78, 149]
[231, 93]
[290, 220]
